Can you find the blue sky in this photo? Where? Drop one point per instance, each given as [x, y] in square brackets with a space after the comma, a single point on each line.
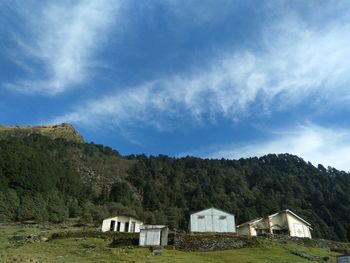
[210, 78]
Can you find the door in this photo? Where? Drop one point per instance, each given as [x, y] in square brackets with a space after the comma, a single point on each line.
[126, 228]
[153, 237]
[223, 224]
[112, 226]
[143, 238]
[201, 224]
[132, 227]
[118, 227]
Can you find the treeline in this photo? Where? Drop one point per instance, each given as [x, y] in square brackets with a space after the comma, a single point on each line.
[44, 180]
[52, 180]
[249, 188]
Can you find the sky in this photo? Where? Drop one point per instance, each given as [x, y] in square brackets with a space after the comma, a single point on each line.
[207, 78]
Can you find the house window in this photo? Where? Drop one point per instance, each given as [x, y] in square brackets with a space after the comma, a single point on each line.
[201, 217]
[222, 217]
[280, 231]
[260, 232]
[118, 227]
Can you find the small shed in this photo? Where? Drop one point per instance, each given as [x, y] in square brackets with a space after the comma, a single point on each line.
[153, 235]
[212, 220]
[122, 223]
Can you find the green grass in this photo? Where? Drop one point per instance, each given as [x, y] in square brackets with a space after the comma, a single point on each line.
[98, 250]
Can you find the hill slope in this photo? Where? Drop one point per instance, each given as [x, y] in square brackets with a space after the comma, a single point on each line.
[27, 248]
[43, 179]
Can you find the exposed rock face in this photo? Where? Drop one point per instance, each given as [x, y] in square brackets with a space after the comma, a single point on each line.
[65, 131]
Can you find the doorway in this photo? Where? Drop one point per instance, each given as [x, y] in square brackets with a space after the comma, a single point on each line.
[126, 229]
[112, 226]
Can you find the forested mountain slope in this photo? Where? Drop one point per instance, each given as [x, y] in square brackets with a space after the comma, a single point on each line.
[50, 180]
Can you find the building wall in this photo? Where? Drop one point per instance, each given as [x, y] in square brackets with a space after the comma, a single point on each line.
[212, 220]
[251, 230]
[243, 230]
[150, 237]
[106, 224]
[297, 228]
[278, 220]
[153, 235]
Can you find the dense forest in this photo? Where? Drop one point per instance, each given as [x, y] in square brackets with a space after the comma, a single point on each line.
[42, 179]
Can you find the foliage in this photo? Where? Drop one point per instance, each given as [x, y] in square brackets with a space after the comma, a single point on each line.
[51, 180]
[88, 246]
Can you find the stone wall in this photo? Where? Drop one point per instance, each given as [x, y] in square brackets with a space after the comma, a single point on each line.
[209, 242]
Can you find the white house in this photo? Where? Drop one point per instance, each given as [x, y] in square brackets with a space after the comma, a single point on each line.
[284, 222]
[121, 223]
[153, 235]
[212, 220]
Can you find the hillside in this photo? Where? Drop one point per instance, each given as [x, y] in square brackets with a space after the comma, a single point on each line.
[52, 180]
[21, 243]
[64, 131]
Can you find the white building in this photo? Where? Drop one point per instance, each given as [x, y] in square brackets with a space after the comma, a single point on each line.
[121, 223]
[153, 235]
[284, 222]
[212, 220]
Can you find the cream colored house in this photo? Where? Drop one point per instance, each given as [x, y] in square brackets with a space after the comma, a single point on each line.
[284, 222]
[122, 223]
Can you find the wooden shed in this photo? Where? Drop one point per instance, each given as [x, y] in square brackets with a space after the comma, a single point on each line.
[153, 235]
[212, 220]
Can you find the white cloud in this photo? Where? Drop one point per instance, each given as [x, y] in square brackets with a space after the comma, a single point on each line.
[61, 39]
[319, 145]
[293, 63]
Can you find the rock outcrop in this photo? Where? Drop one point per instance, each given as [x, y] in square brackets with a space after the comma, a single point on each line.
[64, 131]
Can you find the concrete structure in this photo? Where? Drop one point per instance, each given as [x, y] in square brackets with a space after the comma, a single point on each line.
[153, 235]
[122, 223]
[212, 220]
[284, 222]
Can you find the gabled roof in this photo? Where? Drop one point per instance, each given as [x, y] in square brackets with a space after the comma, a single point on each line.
[146, 227]
[212, 209]
[275, 214]
[256, 220]
[293, 214]
[126, 215]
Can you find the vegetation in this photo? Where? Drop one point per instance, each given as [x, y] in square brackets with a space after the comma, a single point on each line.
[94, 249]
[42, 179]
[63, 131]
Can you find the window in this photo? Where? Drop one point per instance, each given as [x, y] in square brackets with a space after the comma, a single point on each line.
[222, 217]
[280, 231]
[201, 217]
[260, 232]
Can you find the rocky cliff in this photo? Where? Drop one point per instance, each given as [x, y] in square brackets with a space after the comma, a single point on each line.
[65, 131]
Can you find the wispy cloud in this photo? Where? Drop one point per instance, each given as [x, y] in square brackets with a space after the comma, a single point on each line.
[330, 147]
[60, 42]
[294, 61]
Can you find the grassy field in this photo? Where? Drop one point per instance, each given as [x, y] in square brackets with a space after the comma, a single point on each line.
[98, 250]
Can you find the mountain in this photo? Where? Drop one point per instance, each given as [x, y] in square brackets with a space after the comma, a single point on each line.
[65, 131]
[47, 179]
